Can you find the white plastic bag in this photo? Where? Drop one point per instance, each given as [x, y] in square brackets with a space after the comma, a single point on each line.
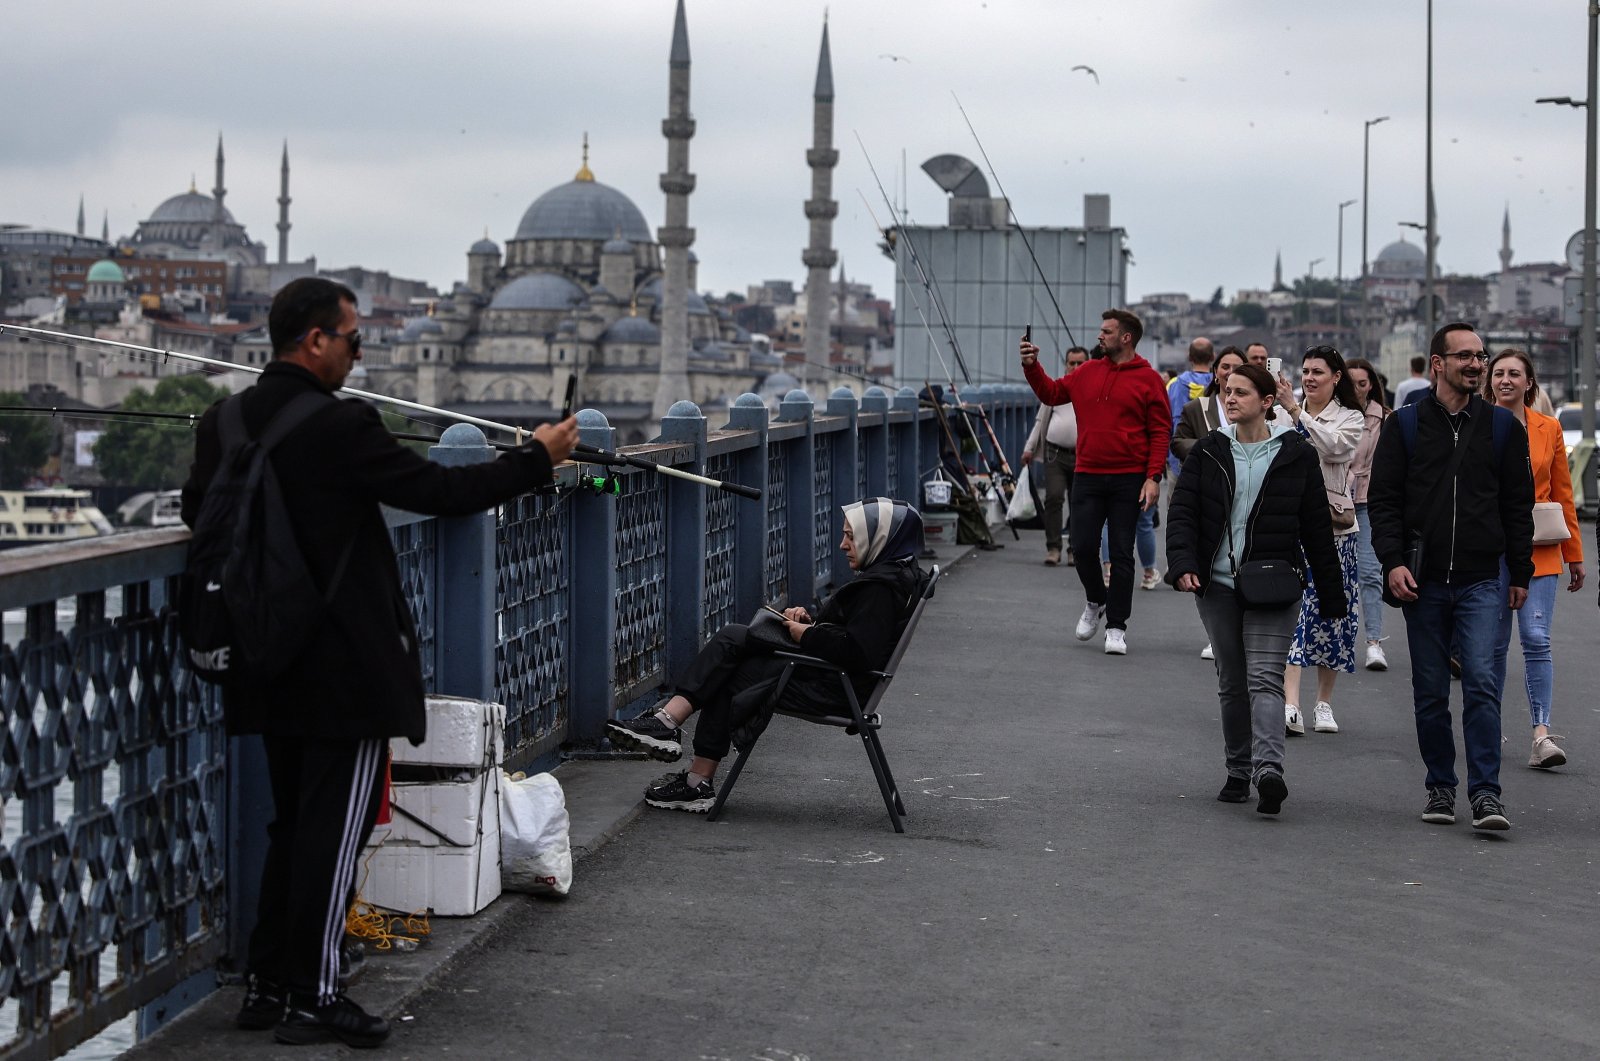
[1021, 508]
[535, 854]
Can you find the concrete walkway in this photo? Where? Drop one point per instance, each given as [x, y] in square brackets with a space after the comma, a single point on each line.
[1068, 885]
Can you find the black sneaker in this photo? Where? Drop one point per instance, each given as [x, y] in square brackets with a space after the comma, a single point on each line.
[352, 960]
[1235, 790]
[648, 734]
[1270, 792]
[1487, 813]
[673, 792]
[1441, 808]
[340, 1019]
[264, 1003]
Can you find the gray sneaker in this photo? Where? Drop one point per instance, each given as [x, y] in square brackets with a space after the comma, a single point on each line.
[648, 734]
[1441, 806]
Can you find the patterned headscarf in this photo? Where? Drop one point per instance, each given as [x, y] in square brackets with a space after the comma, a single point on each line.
[884, 529]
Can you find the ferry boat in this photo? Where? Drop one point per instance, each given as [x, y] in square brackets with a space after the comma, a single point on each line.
[36, 517]
[162, 508]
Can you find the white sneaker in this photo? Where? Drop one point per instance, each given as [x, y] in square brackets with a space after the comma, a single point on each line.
[1376, 660]
[1292, 722]
[1323, 715]
[1116, 643]
[1206, 653]
[1092, 614]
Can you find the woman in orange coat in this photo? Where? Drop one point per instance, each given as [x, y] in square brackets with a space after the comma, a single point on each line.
[1511, 382]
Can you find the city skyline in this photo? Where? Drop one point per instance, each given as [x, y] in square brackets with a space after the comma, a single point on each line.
[404, 154]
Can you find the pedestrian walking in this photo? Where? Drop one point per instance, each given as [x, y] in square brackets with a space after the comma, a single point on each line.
[1203, 415]
[1249, 507]
[1055, 430]
[1417, 381]
[1331, 420]
[1451, 493]
[1512, 384]
[1369, 573]
[1188, 385]
[1124, 426]
[325, 722]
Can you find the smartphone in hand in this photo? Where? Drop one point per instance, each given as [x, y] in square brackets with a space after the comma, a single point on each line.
[1027, 333]
[572, 392]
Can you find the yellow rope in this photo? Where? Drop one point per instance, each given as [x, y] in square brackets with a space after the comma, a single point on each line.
[383, 928]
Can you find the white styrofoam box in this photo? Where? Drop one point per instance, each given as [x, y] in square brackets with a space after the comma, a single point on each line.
[939, 528]
[410, 869]
[461, 732]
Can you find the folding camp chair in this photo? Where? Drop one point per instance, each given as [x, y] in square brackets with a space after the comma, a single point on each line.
[864, 720]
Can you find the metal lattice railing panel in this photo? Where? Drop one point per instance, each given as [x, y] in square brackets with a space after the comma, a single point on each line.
[532, 613]
[776, 564]
[415, 548]
[112, 851]
[641, 605]
[721, 539]
[822, 484]
[892, 446]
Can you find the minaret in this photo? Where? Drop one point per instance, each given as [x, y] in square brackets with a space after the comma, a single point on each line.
[676, 236]
[1505, 242]
[820, 257]
[283, 207]
[105, 227]
[80, 213]
[1277, 272]
[219, 191]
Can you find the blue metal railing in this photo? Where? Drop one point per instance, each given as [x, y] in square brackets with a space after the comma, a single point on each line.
[132, 828]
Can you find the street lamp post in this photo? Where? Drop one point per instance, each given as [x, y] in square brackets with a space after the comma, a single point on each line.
[1338, 283]
[1432, 237]
[1366, 157]
[1586, 327]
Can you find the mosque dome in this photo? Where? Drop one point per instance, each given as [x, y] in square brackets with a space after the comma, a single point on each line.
[191, 206]
[418, 327]
[617, 246]
[631, 330]
[538, 291]
[1401, 252]
[485, 246]
[106, 272]
[697, 304]
[583, 209]
[779, 383]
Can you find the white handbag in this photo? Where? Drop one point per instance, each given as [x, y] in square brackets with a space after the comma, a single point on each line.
[1549, 523]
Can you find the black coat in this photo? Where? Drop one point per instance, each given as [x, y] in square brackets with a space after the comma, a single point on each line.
[360, 675]
[1489, 511]
[1290, 513]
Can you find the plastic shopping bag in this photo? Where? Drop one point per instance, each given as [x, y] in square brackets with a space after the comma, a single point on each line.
[1021, 509]
[535, 853]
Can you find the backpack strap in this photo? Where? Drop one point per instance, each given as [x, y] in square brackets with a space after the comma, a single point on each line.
[291, 416]
[1407, 415]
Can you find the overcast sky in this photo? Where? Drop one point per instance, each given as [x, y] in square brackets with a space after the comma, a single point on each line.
[1222, 129]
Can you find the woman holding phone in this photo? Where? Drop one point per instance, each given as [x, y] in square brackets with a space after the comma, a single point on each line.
[1251, 493]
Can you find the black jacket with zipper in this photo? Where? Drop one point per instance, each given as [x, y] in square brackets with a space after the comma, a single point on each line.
[1290, 513]
[1466, 525]
[360, 676]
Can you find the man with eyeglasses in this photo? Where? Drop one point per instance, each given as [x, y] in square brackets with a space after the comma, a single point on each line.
[1451, 494]
[326, 721]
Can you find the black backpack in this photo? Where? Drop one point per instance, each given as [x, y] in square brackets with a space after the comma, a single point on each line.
[247, 602]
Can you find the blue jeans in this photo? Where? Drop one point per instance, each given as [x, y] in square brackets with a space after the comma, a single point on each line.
[1467, 616]
[1369, 572]
[1144, 537]
[1533, 626]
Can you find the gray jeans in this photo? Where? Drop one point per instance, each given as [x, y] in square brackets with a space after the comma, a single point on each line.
[1251, 646]
[1058, 464]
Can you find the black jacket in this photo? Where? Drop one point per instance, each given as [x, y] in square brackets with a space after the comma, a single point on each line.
[1486, 513]
[360, 676]
[1290, 513]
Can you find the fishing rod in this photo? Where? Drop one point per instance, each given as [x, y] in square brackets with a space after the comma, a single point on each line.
[519, 433]
[1006, 479]
[1012, 213]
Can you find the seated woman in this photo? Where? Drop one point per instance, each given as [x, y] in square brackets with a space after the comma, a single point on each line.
[1251, 491]
[856, 628]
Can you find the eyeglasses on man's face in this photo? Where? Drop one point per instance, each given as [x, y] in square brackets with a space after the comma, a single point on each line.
[1467, 357]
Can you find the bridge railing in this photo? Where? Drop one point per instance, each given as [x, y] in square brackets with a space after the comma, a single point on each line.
[133, 828]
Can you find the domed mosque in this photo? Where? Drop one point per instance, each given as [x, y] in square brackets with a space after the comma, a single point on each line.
[195, 225]
[581, 289]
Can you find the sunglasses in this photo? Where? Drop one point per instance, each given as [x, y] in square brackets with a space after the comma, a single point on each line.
[353, 337]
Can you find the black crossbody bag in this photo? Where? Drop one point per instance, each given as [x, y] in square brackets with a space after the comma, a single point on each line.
[1262, 584]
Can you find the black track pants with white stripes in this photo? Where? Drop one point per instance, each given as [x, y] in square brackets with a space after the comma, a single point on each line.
[325, 797]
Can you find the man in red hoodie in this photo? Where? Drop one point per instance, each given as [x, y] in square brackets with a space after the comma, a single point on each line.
[1124, 425]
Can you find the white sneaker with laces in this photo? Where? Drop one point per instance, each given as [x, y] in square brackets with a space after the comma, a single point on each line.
[1323, 715]
[1292, 722]
[1092, 614]
[1116, 643]
[1206, 653]
[1376, 660]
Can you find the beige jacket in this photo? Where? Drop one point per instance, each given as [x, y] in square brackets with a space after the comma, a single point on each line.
[1336, 433]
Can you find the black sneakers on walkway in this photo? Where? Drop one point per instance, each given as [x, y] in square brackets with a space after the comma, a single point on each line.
[648, 734]
[1235, 790]
[1270, 792]
[674, 792]
[1441, 806]
[1488, 814]
[340, 1019]
[264, 1004]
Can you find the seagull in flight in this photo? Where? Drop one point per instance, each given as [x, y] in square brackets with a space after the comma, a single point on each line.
[893, 58]
[1090, 71]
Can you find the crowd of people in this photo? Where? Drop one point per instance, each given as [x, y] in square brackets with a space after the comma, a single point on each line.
[1297, 509]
